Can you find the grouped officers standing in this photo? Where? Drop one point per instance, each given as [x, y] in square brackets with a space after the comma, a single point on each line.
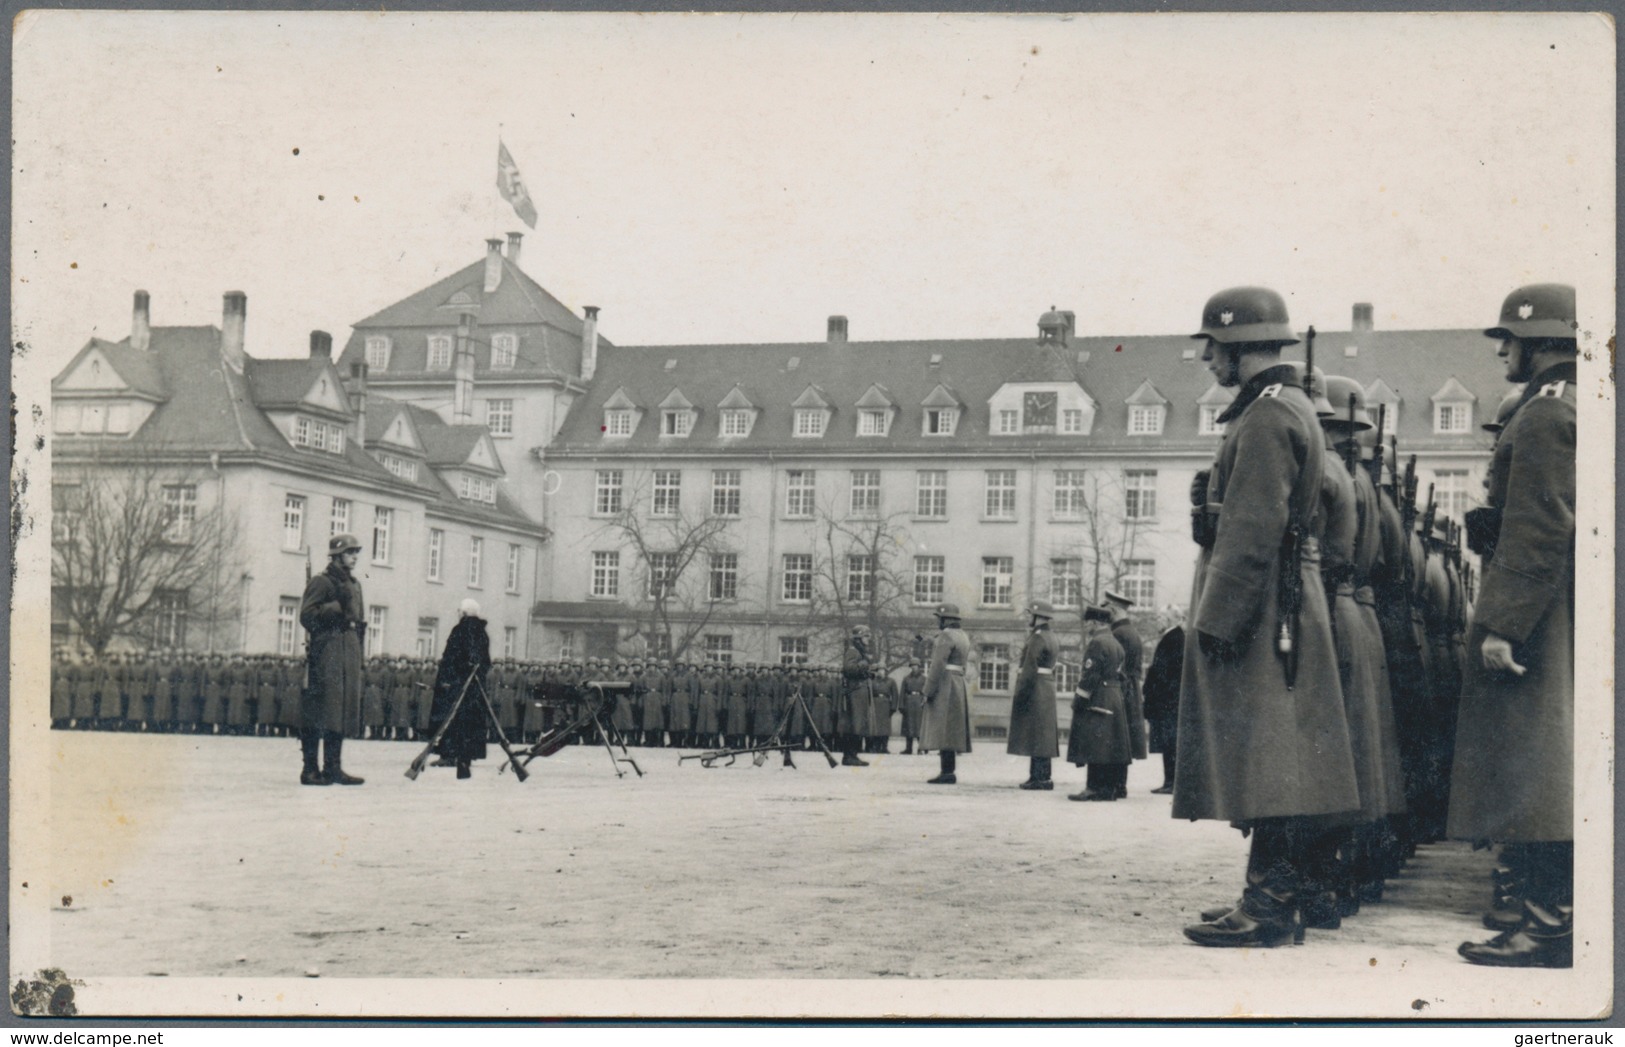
[334, 615]
[945, 725]
[1263, 739]
[1034, 721]
[1513, 778]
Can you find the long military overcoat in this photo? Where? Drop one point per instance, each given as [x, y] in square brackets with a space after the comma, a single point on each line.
[1128, 638]
[1514, 768]
[1161, 690]
[1250, 746]
[1100, 732]
[945, 725]
[1034, 718]
[330, 612]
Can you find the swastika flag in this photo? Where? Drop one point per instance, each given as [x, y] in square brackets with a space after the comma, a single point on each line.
[512, 186]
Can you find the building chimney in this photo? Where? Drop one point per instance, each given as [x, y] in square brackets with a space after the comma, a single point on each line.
[321, 345]
[1363, 317]
[357, 388]
[141, 323]
[513, 247]
[493, 264]
[462, 403]
[231, 329]
[589, 342]
[837, 330]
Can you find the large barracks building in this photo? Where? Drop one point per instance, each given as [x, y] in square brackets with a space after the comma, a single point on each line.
[484, 440]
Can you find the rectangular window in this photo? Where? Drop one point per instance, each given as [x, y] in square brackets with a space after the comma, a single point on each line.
[941, 421]
[513, 568]
[1070, 502]
[860, 578]
[94, 418]
[180, 512]
[65, 418]
[118, 418]
[873, 421]
[404, 468]
[1001, 494]
[607, 494]
[339, 521]
[377, 618]
[377, 353]
[504, 351]
[478, 489]
[725, 492]
[510, 640]
[606, 574]
[1008, 422]
[1208, 423]
[567, 645]
[287, 625]
[797, 577]
[1145, 419]
[865, 492]
[1072, 420]
[1451, 492]
[437, 548]
[382, 520]
[998, 573]
[169, 622]
[440, 352]
[499, 417]
[929, 572]
[677, 423]
[1066, 582]
[668, 492]
[1139, 582]
[476, 561]
[719, 648]
[993, 672]
[319, 436]
[428, 645]
[293, 522]
[793, 650]
[1068, 662]
[1452, 418]
[724, 576]
[618, 422]
[736, 423]
[1140, 494]
[931, 494]
[662, 572]
[810, 421]
[800, 489]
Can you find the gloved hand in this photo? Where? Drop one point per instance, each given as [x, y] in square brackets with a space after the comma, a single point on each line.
[1199, 486]
[1217, 649]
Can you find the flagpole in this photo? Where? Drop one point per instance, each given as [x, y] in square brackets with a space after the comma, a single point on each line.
[496, 199]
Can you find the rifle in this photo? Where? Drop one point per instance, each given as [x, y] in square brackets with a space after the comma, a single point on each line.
[1309, 363]
[1377, 451]
[1407, 506]
[422, 759]
[1351, 449]
[1428, 517]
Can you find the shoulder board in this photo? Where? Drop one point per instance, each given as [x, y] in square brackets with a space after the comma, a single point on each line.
[1553, 388]
[1271, 391]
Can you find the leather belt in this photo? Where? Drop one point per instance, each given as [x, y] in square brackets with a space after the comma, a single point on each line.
[1046, 672]
[955, 668]
[1366, 595]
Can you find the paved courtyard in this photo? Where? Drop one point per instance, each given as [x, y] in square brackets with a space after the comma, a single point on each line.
[177, 858]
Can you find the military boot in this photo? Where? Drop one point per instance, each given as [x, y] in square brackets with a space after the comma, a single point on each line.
[333, 750]
[1545, 939]
[312, 774]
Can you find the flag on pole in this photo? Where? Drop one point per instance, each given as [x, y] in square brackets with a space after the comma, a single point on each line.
[512, 186]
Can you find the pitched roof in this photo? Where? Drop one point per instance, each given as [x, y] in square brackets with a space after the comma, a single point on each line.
[138, 369]
[1414, 363]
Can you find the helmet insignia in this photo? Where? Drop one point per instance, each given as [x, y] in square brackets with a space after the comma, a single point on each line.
[1525, 311]
[1227, 317]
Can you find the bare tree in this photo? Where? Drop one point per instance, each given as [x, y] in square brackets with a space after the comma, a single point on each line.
[860, 577]
[681, 588]
[136, 555]
[1100, 547]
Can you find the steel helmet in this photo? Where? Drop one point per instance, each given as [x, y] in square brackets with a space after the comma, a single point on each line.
[1041, 609]
[1503, 413]
[343, 543]
[948, 611]
[1247, 315]
[1537, 311]
[1317, 395]
[1338, 391]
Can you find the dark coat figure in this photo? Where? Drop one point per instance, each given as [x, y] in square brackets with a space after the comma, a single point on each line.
[163, 695]
[237, 692]
[215, 682]
[652, 710]
[1514, 763]
[736, 703]
[945, 726]
[1100, 732]
[882, 703]
[1034, 717]
[622, 716]
[467, 656]
[681, 693]
[1406, 685]
[332, 612]
[823, 689]
[1372, 672]
[373, 692]
[1249, 746]
[289, 701]
[913, 700]
[1161, 690]
[708, 709]
[84, 695]
[61, 694]
[1128, 638]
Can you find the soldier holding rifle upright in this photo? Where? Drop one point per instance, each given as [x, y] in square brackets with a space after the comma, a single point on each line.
[1513, 780]
[1263, 742]
[334, 616]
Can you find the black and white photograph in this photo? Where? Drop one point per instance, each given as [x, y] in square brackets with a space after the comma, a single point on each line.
[781, 517]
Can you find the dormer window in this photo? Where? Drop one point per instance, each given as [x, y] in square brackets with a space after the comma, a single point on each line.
[1207, 422]
[874, 421]
[478, 489]
[377, 352]
[810, 421]
[317, 435]
[405, 468]
[439, 352]
[737, 422]
[941, 421]
[1145, 419]
[504, 351]
[1452, 418]
[676, 422]
[1008, 422]
[1072, 420]
[618, 422]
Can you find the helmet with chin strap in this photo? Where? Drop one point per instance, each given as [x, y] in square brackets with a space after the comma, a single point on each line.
[1247, 317]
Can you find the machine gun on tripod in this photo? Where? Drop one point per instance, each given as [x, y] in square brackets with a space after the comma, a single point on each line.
[775, 744]
[586, 706]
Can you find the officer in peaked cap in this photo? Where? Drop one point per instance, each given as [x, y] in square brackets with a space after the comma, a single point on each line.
[1034, 720]
[1264, 743]
[1513, 779]
[945, 725]
[1099, 738]
[1128, 637]
[334, 615]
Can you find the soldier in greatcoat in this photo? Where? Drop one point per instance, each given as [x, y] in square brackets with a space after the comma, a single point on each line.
[334, 615]
[853, 713]
[1264, 742]
[945, 726]
[1099, 736]
[650, 702]
[1161, 698]
[61, 690]
[1034, 718]
[1514, 761]
[678, 695]
[913, 702]
[1128, 637]
[708, 711]
[825, 687]
[882, 703]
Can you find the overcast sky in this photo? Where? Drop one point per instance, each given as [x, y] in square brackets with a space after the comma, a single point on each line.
[725, 178]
